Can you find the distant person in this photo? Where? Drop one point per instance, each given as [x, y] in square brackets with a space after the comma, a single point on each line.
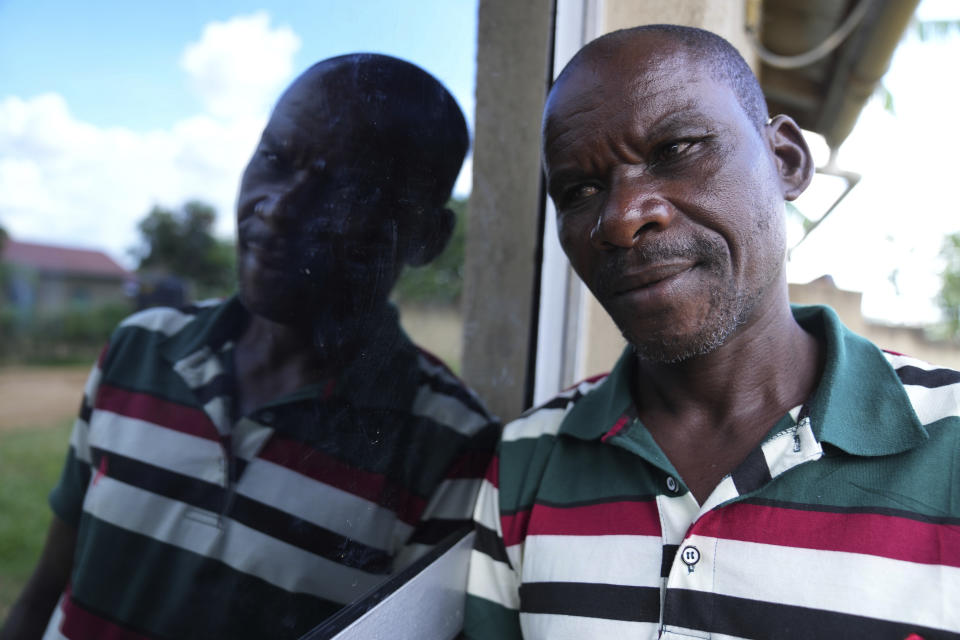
[163, 291]
[242, 469]
[747, 469]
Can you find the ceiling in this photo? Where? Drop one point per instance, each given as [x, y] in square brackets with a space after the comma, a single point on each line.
[825, 95]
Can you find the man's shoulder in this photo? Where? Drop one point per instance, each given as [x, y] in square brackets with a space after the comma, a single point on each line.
[544, 421]
[445, 398]
[143, 334]
[167, 321]
[933, 390]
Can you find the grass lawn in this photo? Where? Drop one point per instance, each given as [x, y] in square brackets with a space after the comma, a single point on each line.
[30, 463]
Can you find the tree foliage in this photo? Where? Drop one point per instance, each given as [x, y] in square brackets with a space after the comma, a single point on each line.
[180, 242]
[949, 297]
[441, 281]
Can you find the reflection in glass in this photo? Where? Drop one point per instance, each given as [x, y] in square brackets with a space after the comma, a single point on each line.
[244, 468]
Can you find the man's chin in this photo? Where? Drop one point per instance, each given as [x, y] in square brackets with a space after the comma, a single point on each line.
[675, 351]
[278, 310]
[665, 347]
[303, 310]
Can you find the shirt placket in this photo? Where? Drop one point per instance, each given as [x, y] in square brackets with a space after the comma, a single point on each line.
[691, 579]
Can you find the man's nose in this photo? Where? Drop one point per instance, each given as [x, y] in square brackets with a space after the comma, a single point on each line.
[280, 204]
[634, 207]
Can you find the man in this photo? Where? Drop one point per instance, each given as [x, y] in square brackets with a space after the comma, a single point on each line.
[243, 469]
[744, 470]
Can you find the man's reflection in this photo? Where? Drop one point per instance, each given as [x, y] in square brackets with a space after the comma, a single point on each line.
[244, 468]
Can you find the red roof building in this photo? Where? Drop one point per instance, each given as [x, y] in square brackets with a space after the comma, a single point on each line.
[51, 259]
[44, 278]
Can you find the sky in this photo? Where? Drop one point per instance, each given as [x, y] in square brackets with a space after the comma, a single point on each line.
[108, 108]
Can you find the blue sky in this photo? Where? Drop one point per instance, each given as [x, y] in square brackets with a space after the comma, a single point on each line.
[108, 108]
[117, 63]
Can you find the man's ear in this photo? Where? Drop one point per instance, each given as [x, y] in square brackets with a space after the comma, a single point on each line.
[430, 236]
[793, 157]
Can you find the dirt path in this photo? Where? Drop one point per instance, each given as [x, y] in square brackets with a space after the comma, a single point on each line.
[39, 396]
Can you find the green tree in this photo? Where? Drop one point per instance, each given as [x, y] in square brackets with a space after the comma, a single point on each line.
[180, 242]
[441, 281]
[949, 297]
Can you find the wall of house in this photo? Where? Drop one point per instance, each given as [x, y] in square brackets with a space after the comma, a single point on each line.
[39, 293]
[912, 341]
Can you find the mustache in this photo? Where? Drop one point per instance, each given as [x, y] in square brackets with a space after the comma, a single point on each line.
[697, 249]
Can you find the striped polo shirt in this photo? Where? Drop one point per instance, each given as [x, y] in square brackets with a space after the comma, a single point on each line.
[843, 523]
[194, 522]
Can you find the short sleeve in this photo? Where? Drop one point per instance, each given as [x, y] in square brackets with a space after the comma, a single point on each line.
[66, 498]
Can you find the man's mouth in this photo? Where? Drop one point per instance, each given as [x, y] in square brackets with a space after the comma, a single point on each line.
[650, 277]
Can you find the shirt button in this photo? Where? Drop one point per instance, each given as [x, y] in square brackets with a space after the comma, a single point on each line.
[690, 556]
[672, 484]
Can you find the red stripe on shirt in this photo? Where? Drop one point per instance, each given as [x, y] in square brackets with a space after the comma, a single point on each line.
[615, 429]
[170, 415]
[864, 533]
[590, 380]
[514, 527]
[306, 460]
[103, 355]
[80, 624]
[492, 474]
[606, 519]
[472, 464]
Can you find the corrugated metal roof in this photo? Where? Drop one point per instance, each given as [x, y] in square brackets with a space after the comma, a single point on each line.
[49, 258]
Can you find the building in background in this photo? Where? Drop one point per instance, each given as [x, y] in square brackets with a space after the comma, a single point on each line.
[44, 279]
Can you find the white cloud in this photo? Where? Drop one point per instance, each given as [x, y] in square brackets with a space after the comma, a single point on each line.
[461, 188]
[69, 182]
[239, 65]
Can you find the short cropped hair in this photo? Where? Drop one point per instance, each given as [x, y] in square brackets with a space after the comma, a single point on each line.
[719, 56]
[410, 114]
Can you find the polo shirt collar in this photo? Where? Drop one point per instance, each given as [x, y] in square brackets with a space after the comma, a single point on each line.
[371, 380]
[859, 406]
[606, 407]
[228, 321]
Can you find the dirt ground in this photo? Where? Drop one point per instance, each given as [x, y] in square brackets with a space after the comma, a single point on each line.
[39, 396]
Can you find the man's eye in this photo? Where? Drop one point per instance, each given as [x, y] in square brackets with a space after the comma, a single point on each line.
[271, 158]
[672, 150]
[578, 193]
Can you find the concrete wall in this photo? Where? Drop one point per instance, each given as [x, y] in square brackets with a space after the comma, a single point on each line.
[45, 293]
[912, 341]
[501, 268]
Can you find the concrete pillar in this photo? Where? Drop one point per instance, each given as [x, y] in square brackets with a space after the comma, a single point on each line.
[502, 260]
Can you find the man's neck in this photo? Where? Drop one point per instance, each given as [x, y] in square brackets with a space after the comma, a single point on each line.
[272, 359]
[707, 413]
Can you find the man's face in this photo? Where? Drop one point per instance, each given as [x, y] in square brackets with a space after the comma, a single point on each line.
[317, 233]
[668, 200]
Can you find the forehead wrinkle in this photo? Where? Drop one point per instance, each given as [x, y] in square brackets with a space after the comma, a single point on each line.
[560, 120]
[651, 89]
